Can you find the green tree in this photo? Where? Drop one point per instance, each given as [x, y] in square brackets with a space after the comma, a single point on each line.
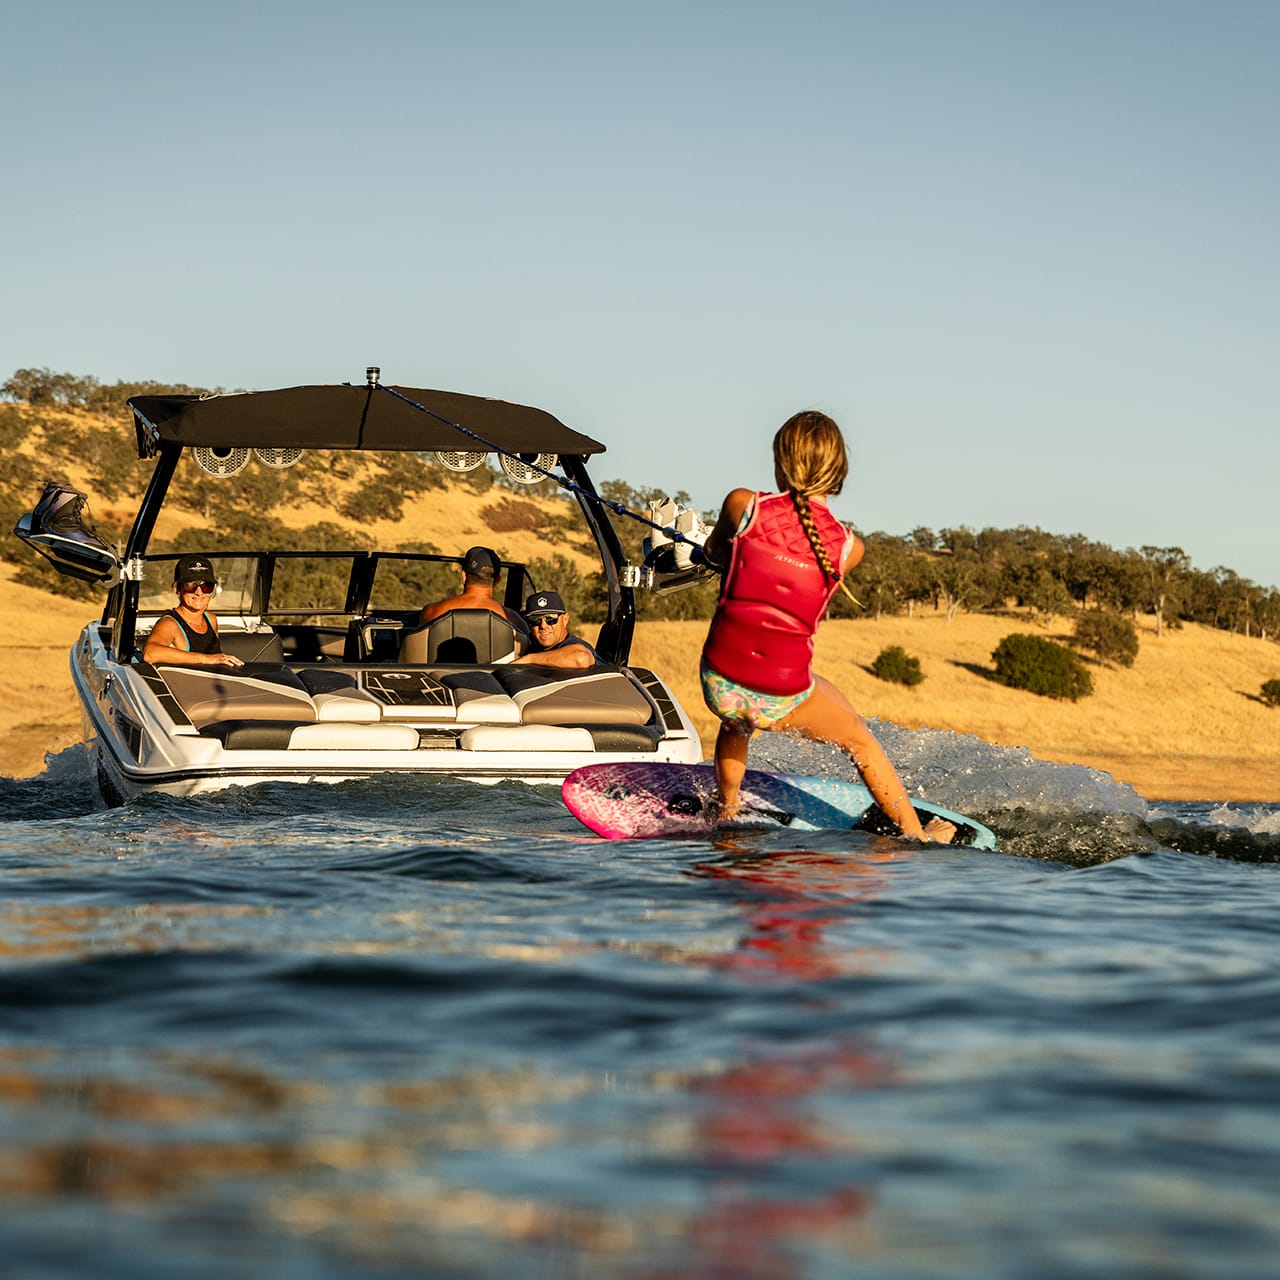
[372, 501]
[1111, 636]
[1166, 568]
[15, 425]
[961, 580]
[1042, 592]
[584, 595]
[1269, 615]
[878, 581]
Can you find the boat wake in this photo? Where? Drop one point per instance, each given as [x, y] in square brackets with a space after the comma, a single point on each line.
[66, 789]
[1250, 833]
[1068, 813]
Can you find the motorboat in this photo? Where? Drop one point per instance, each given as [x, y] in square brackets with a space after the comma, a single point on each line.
[339, 679]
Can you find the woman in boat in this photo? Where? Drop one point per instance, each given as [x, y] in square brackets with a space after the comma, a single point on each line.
[783, 556]
[187, 636]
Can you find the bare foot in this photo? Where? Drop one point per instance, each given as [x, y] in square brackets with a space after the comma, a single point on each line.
[721, 810]
[939, 831]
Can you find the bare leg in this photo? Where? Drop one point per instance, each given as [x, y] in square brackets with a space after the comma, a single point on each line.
[828, 715]
[731, 764]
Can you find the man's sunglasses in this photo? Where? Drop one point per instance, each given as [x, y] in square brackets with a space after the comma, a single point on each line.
[547, 619]
[204, 588]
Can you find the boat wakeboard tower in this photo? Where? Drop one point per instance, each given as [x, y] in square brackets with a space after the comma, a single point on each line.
[339, 679]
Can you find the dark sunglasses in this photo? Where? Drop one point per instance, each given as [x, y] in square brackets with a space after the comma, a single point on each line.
[547, 619]
[204, 588]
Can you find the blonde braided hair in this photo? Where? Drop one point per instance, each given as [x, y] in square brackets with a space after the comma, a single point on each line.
[809, 455]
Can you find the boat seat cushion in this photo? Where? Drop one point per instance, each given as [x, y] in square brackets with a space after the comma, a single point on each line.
[338, 696]
[463, 635]
[353, 737]
[252, 646]
[524, 737]
[599, 695]
[624, 737]
[208, 694]
[480, 699]
[251, 735]
[407, 694]
[289, 735]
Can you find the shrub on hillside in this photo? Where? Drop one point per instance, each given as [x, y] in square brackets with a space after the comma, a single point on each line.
[1041, 666]
[1271, 693]
[372, 501]
[1111, 636]
[14, 425]
[896, 665]
[513, 515]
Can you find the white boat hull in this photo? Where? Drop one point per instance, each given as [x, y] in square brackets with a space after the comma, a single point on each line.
[135, 749]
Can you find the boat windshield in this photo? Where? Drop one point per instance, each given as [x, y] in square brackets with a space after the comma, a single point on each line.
[301, 584]
[236, 582]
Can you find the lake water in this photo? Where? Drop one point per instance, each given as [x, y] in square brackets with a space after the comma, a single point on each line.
[437, 1029]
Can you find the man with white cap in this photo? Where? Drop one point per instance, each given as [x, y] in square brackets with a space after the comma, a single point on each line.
[553, 645]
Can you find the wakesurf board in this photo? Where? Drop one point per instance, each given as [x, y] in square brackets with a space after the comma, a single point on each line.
[638, 800]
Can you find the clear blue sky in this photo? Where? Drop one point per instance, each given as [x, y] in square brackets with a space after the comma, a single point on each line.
[1026, 253]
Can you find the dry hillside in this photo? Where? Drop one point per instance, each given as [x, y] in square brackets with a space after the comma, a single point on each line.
[1184, 722]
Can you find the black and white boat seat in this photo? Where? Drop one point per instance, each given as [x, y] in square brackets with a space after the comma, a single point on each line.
[526, 737]
[599, 695]
[462, 635]
[480, 699]
[284, 735]
[503, 708]
[209, 694]
[353, 737]
[252, 646]
[338, 696]
[408, 694]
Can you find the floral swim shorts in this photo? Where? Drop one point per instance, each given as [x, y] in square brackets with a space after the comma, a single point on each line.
[741, 708]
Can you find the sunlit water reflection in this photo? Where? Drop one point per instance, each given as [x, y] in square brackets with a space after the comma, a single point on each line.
[437, 1029]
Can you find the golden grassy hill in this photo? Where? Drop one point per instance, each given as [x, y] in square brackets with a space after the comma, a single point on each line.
[454, 517]
[1185, 722]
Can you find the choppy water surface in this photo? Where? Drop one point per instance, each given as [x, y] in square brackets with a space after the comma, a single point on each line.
[404, 1029]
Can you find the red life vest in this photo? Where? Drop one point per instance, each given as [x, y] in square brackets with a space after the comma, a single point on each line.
[773, 595]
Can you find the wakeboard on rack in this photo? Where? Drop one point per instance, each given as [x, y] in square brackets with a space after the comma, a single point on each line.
[642, 800]
[59, 528]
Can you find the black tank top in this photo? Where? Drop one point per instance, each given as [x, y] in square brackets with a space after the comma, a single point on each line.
[205, 641]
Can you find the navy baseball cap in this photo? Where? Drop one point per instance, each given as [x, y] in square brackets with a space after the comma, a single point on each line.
[193, 569]
[543, 602]
[479, 558]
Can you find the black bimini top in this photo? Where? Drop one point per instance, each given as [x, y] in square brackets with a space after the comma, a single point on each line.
[354, 417]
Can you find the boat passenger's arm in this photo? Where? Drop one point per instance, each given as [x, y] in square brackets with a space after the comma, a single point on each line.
[574, 654]
[167, 645]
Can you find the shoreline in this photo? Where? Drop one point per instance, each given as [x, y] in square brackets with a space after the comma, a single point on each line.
[1184, 723]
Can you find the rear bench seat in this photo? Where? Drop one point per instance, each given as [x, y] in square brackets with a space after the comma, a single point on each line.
[600, 707]
[268, 707]
[271, 707]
